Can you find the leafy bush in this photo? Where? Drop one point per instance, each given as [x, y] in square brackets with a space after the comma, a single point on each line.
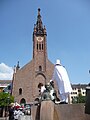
[5, 99]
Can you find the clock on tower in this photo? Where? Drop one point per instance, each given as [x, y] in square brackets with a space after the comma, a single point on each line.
[39, 39]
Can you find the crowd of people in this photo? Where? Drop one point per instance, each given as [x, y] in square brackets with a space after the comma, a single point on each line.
[15, 112]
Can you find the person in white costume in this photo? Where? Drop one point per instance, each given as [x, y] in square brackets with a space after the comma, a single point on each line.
[41, 87]
[17, 114]
[60, 75]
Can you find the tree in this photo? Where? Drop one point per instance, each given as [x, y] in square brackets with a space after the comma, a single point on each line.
[5, 99]
[79, 99]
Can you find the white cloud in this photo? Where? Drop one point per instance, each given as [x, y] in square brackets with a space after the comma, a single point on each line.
[6, 72]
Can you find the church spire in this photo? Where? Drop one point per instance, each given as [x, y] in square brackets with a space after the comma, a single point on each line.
[38, 27]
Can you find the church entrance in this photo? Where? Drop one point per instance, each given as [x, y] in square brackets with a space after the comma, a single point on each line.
[23, 101]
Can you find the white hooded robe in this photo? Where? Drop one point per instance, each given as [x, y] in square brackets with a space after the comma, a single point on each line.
[62, 79]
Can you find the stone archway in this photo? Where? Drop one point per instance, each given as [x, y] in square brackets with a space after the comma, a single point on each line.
[39, 78]
[23, 101]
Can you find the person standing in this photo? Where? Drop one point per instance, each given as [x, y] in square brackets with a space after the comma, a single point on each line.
[11, 112]
[60, 75]
[16, 113]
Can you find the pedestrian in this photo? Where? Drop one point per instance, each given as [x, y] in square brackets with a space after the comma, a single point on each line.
[61, 77]
[16, 113]
[11, 112]
[20, 114]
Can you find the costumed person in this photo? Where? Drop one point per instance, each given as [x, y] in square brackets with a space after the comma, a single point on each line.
[53, 93]
[16, 113]
[43, 94]
[41, 87]
[52, 83]
[20, 114]
[11, 112]
[60, 75]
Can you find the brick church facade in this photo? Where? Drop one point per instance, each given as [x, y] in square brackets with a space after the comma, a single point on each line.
[39, 69]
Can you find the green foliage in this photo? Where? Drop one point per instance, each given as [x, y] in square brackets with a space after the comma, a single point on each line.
[5, 99]
[79, 99]
[74, 100]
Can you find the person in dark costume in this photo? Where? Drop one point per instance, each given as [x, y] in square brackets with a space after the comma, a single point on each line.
[11, 112]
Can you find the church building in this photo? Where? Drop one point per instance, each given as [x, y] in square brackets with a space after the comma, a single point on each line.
[39, 69]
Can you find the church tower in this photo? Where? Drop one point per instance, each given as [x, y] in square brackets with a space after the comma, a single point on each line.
[39, 44]
[39, 69]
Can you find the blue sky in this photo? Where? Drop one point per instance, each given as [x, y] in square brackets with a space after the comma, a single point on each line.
[68, 34]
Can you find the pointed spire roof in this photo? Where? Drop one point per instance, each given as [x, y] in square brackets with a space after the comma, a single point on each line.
[17, 67]
[38, 27]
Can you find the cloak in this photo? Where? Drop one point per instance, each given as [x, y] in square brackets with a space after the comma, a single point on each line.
[61, 76]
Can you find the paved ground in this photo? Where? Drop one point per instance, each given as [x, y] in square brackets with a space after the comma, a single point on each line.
[25, 117]
[3, 118]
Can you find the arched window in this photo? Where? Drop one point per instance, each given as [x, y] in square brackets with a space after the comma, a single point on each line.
[39, 46]
[40, 68]
[42, 46]
[20, 91]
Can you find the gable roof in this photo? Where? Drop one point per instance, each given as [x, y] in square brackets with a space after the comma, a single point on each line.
[5, 81]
